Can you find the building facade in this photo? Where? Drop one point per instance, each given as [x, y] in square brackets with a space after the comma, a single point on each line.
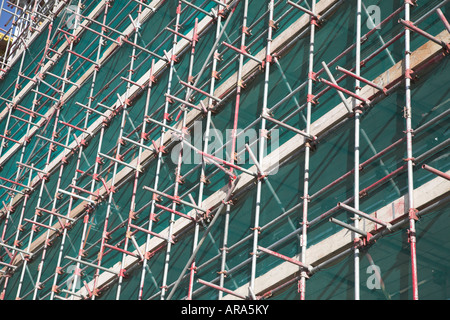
[232, 149]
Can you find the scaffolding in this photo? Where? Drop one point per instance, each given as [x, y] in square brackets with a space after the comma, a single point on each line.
[114, 184]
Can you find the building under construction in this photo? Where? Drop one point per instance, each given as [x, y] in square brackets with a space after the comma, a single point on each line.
[225, 150]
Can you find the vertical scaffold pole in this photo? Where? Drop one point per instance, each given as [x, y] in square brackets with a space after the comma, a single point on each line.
[178, 177]
[138, 163]
[233, 154]
[262, 143]
[410, 160]
[205, 150]
[147, 105]
[180, 156]
[357, 112]
[306, 197]
[169, 87]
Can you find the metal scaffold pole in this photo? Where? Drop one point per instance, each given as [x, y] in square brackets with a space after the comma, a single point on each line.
[357, 113]
[233, 151]
[128, 236]
[262, 145]
[409, 154]
[203, 179]
[152, 217]
[308, 146]
[178, 175]
[133, 209]
[168, 92]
